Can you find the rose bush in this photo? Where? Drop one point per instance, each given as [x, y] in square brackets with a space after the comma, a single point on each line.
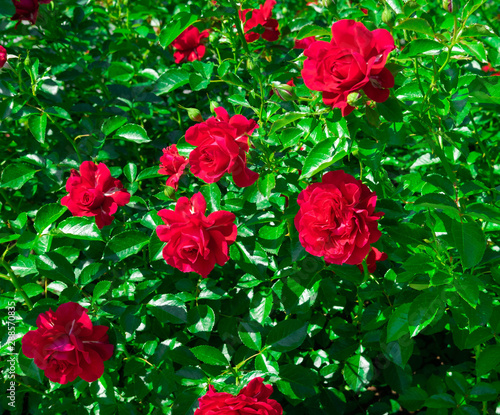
[66, 345]
[349, 312]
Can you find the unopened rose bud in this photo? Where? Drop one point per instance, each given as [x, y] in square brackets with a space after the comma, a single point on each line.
[284, 92]
[388, 17]
[352, 98]
[194, 114]
[250, 64]
[169, 192]
[451, 5]
[325, 3]
[213, 105]
[27, 61]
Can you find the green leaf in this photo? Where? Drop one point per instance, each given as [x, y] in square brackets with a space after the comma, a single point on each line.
[358, 371]
[201, 320]
[470, 242]
[483, 392]
[149, 173]
[261, 306]
[210, 355]
[250, 335]
[112, 124]
[298, 382]
[212, 195]
[79, 228]
[91, 272]
[55, 267]
[266, 184]
[313, 30]
[436, 201]
[101, 288]
[287, 335]
[38, 125]
[124, 245]
[488, 360]
[286, 119]
[413, 398]
[130, 171]
[171, 80]
[15, 176]
[132, 132]
[485, 212]
[168, 308]
[476, 30]
[396, 6]
[179, 23]
[398, 323]
[468, 288]
[440, 400]
[417, 25]
[422, 47]
[47, 215]
[121, 71]
[320, 157]
[423, 310]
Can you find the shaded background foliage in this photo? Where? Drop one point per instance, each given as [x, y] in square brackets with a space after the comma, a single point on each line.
[97, 81]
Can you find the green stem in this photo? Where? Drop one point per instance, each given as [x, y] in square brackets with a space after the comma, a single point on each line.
[239, 28]
[13, 279]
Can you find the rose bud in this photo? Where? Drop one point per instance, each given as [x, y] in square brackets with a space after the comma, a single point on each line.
[3, 56]
[284, 91]
[451, 5]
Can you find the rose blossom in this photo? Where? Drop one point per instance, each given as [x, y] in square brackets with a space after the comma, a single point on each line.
[253, 399]
[354, 59]
[304, 43]
[260, 16]
[221, 146]
[489, 68]
[337, 219]
[172, 164]
[189, 45]
[93, 192]
[3, 56]
[66, 345]
[27, 10]
[195, 242]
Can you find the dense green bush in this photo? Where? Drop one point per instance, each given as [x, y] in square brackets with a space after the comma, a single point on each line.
[97, 81]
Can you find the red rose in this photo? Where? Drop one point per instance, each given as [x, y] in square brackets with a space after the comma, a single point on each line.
[3, 56]
[189, 46]
[93, 192]
[172, 164]
[66, 345]
[27, 10]
[489, 68]
[304, 43]
[336, 219]
[221, 146]
[253, 399]
[371, 260]
[260, 16]
[196, 242]
[365, 11]
[353, 60]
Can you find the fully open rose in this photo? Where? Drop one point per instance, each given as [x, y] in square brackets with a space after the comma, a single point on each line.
[353, 60]
[189, 45]
[27, 10]
[262, 17]
[337, 219]
[66, 345]
[253, 399]
[93, 192]
[195, 242]
[221, 146]
[172, 164]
